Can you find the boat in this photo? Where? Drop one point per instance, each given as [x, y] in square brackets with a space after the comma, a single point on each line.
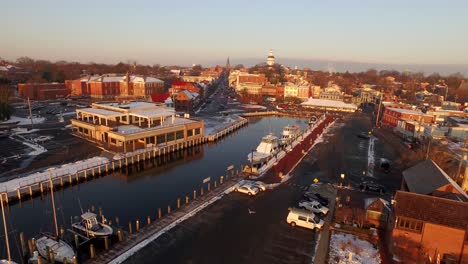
[268, 147]
[62, 251]
[7, 243]
[90, 226]
[289, 134]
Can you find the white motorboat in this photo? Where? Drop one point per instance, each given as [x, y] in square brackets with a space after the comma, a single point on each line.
[61, 249]
[289, 134]
[267, 148]
[90, 226]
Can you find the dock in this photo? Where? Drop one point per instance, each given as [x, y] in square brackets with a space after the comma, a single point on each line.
[35, 184]
[186, 208]
[220, 133]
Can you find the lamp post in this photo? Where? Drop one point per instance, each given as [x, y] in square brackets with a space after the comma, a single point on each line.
[342, 179]
[251, 161]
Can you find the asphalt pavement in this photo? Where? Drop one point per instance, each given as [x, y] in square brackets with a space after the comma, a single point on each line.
[228, 231]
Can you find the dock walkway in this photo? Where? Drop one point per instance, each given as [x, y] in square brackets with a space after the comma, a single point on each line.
[133, 242]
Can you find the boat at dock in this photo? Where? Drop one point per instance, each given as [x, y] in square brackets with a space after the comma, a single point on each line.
[91, 227]
[313, 120]
[267, 148]
[289, 134]
[61, 250]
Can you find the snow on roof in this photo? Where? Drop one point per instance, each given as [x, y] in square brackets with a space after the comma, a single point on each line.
[113, 78]
[154, 113]
[101, 112]
[128, 129]
[130, 105]
[152, 79]
[190, 95]
[328, 103]
[3, 68]
[407, 111]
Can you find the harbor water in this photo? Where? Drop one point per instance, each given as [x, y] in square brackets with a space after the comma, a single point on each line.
[138, 192]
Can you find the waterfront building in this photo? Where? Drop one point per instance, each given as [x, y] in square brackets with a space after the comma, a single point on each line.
[270, 59]
[134, 125]
[328, 105]
[301, 92]
[42, 91]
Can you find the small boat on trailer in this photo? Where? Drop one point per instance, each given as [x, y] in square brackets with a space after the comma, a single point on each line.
[90, 226]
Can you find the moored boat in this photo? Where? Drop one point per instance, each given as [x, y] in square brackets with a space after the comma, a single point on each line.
[290, 133]
[90, 226]
[268, 147]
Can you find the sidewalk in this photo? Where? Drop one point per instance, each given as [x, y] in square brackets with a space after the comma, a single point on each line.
[321, 251]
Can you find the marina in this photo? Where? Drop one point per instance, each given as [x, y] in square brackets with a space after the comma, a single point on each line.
[123, 193]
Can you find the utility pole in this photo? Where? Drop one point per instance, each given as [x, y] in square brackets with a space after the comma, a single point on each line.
[378, 111]
[30, 114]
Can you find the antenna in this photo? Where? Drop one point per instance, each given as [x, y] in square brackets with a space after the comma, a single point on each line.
[79, 203]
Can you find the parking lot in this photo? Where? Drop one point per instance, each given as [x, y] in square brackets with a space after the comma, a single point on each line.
[50, 133]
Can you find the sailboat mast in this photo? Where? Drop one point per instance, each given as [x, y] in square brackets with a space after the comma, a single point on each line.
[6, 230]
[53, 204]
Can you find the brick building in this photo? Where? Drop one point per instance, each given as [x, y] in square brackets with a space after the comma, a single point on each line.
[185, 101]
[391, 116]
[430, 217]
[112, 86]
[179, 86]
[42, 91]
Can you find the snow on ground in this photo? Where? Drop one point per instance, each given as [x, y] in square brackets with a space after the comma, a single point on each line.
[25, 121]
[350, 249]
[216, 123]
[370, 157]
[53, 172]
[37, 149]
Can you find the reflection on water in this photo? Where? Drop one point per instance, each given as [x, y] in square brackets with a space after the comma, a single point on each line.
[138, 192]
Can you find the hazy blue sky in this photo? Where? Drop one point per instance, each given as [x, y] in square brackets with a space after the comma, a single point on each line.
[186, 32]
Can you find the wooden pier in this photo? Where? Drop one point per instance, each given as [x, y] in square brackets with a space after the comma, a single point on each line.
[34, 187]
[165, 219]
[227, 130]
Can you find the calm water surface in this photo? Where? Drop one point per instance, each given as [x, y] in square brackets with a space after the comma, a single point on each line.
[136, 194]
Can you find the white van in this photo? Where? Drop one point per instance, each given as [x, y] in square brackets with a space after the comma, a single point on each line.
[304, 218]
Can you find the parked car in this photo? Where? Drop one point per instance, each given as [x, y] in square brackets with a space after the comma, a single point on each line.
[259, 184]
[312, 196]
[313, 206]
[304, 218]
[371, 186]
[247, 189]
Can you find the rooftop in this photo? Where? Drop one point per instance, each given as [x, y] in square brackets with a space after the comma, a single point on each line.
[407, 111]
[100, 112]
[328, 103]
[426, 177]
[432, 209]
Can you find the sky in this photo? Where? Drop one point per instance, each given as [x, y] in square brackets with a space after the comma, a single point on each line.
[185, 32]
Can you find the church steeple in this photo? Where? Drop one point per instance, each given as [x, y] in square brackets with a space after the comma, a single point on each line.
[228, 64]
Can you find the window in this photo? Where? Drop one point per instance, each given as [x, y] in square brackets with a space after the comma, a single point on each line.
[189, 132]
[197, 131]
[302, 218]
[160, 139]
[170, 136]
[180, 134]
[409, 224]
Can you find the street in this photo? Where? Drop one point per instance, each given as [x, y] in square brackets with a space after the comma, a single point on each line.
[229, 232]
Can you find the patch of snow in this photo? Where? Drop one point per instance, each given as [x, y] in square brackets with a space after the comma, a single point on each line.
[370, 157]
[347, 248]
[25, 121]
[37, 150]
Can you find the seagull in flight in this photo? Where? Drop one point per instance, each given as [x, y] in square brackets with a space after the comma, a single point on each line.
[251, 211]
